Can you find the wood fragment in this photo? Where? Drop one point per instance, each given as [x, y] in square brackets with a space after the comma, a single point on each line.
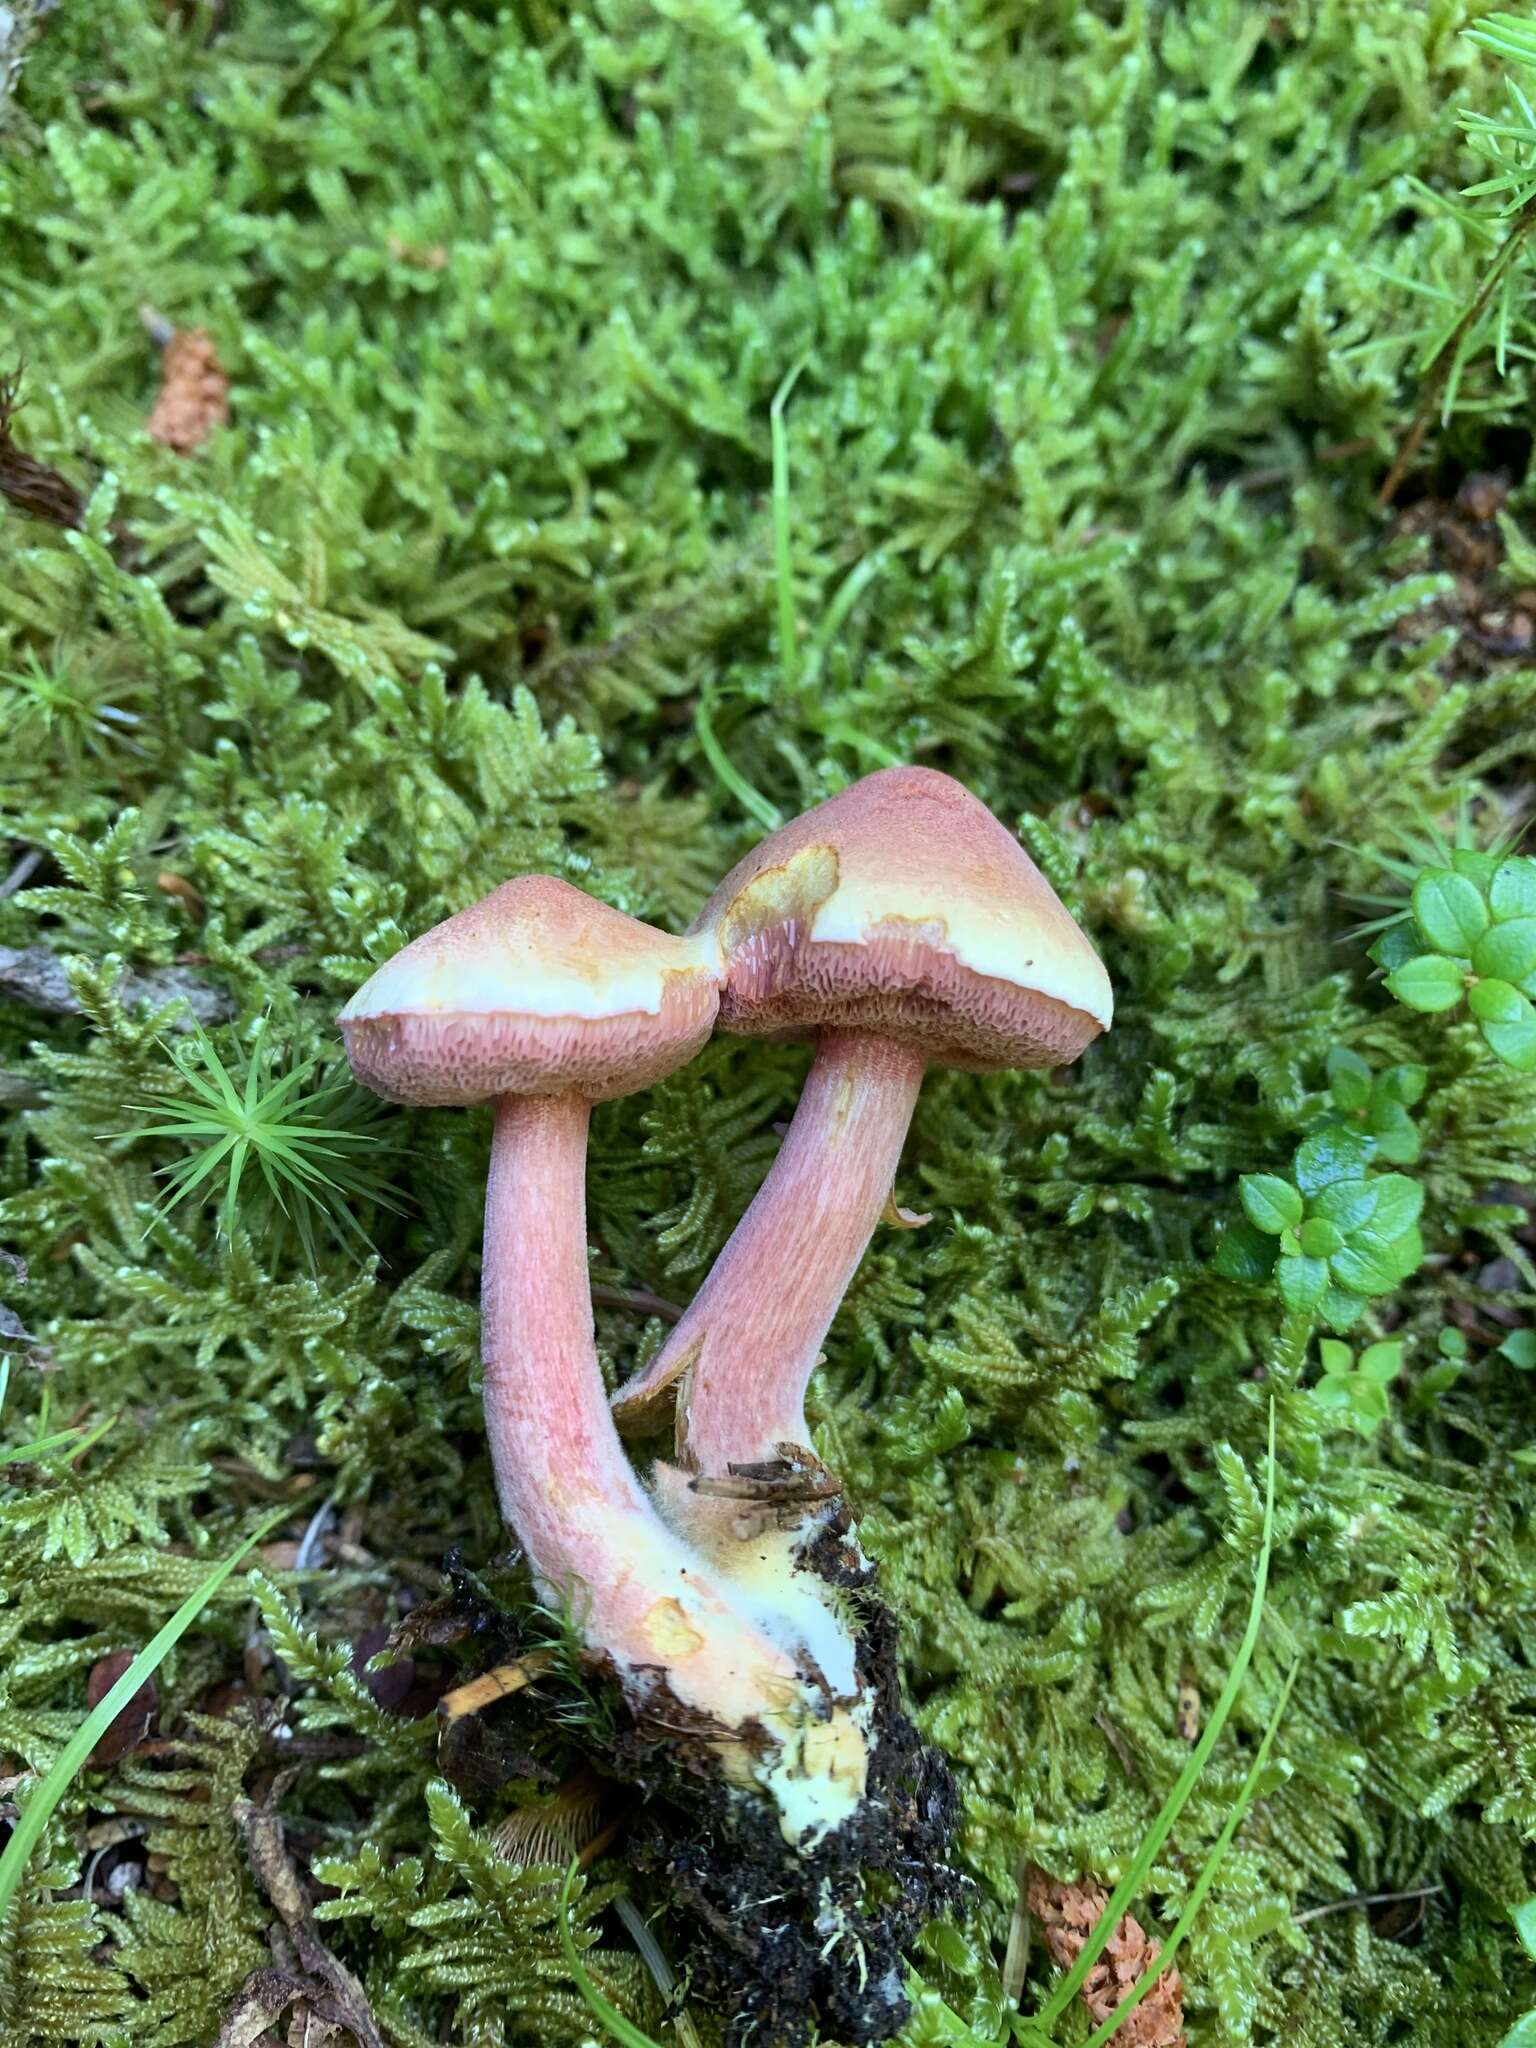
[35, 489]
[476, 1694]
[306, 1974]
[1067, 1914]
[37, 978]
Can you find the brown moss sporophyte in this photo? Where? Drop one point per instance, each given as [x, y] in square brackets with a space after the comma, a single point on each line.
[898, 925]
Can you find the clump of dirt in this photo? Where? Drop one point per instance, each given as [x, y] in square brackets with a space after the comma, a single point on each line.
[811, 1946]
[790, 1947]
[1494, 620]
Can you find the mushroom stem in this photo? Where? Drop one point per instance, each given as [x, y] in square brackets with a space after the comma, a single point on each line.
[546, 1419]
[748, 1344]
[591, 1532]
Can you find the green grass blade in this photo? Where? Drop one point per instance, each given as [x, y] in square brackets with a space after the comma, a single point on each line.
[1205, 1880]
[783, 561]
[1126, 1891]
[38, 1805]
[765, 813]
[622, 2030]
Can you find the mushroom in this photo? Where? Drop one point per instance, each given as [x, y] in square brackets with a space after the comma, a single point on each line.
[898, 925]
[545, 1001]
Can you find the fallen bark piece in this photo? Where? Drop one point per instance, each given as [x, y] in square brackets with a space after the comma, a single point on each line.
[40, 979]
[1068, 1914]
[309, 1972]
[194, 392]
[132, 1722]
[35, 489]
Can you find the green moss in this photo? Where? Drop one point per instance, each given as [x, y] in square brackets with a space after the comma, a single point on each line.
[1111, 321]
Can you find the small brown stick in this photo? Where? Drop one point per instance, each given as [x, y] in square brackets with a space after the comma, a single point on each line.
[1423, 1891]
[1435, 377]
[476, 1694]
[638, 1298]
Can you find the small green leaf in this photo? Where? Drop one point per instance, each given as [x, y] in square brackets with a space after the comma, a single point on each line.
[1398, 944]
[1450, 910]
[1438, 1379]
[1507, 1021]
[1349, 1078]
[1365, 1265]
[1331, 1155]
[1302, 1282]
[1347, 1204]
[1271, 1204]
[1451, 1343]
[1405, 1084]
[1522, 2034]
[1428, 982]
[1399, 1204]
[1341, 1309]
[1336, 1357]
[1512, 892]
[1524, 1917]
[1333, 1394]
[1507, 951]
[1318, 1238]
[1369, 1402]
[1477, 867]
[1245, 1253]
[1382, 1362]
[1519, 1347]
[1397, 1140]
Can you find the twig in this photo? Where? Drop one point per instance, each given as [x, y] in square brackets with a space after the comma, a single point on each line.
[1439, 370]
[22, 873]
[638, 1298]
[1423, 1891]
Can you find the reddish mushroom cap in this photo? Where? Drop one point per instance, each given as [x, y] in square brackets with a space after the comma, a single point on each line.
[536, 990]
[902, 906]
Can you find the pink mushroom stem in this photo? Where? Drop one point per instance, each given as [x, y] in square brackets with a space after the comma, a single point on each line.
[757, 1324]
[550, 1433]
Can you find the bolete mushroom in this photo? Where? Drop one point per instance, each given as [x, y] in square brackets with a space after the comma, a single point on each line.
[545, 1001]
[898, 925]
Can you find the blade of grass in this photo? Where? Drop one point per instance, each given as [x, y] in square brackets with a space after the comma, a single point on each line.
[1205, 1880]
[38, 1805]
[1126, 1891]
[622, 2030]
[765, 813]
[783, 563]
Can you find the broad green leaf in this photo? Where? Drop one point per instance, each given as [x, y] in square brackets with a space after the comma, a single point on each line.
[1397, 1137]
[1398, 944]
[1405, 1084]
[1365, 1265]
[1341, 1309]
[1368, 1400]
[1301, 1282]
[1347, 1204]
[1333, 1394]
[1428, 982]
[1331, 1155]
[1506, 951]
[1382, 1362]
[1522, 2034]
[1478, 867]
[1399, 1204]
[1272, 1204]
[1349, 1078]
[1507, 1021]
[1524, 1917]
[1450, 910]
[1318, 1237]
[1336, 1357]
[1512, 892]
[1245, 1253]
[1519, 1347]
